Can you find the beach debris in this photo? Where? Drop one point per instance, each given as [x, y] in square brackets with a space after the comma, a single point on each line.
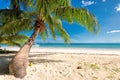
[30, 64]
[79, 67]
[60, 72]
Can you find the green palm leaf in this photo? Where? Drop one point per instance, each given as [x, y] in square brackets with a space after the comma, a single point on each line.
[17, 39]
[50, 22]
[79, 15]
[13, 24]
[55, 25]
[16, 26]
[44, 35]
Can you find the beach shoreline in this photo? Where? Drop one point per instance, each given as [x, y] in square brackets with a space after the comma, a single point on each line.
[68, 50]
[66, 64]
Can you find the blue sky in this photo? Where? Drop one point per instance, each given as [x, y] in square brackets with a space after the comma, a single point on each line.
[108, 14]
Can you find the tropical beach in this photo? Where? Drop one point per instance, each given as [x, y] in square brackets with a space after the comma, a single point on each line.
[67, 64]
[59, 40]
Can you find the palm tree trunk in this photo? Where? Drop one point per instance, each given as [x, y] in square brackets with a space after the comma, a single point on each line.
[19, 63]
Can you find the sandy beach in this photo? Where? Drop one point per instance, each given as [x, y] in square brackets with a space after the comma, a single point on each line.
[67, 64]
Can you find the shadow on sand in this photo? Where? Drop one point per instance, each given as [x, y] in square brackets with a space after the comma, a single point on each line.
[6, 58]
[4, 63]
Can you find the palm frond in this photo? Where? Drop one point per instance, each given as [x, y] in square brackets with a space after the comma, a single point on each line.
[9, 14]
[52, 4]
[14, 44]
[17, 39]
[26, 4]
[15, 4]
[44, 35]
[56, 26]
[79, 15]
[50, 22]
[16, 26]
[43, 7]
[13, 24]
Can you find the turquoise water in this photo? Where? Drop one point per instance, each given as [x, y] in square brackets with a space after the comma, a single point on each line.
[82, 45]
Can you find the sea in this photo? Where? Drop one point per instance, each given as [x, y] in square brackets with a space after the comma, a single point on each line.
[80, 45]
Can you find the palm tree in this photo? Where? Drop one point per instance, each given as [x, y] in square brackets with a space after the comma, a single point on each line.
[43, 16]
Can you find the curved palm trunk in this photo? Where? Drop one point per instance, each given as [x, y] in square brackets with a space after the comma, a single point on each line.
[19, 63]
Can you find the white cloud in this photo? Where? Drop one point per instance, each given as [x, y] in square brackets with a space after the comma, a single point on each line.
[113, 31]
[87, 3]
[103, 0]
[118, 7]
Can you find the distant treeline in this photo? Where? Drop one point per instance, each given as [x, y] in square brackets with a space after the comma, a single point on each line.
[6, 51]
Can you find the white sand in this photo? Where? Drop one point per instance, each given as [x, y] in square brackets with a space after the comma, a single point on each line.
[57, 64]
[69, 50]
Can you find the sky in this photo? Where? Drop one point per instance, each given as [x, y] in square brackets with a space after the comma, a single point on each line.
[107, 13]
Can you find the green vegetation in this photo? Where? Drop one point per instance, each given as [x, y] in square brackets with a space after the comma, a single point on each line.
[6, 51]
[13, 40]
[95, 66]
